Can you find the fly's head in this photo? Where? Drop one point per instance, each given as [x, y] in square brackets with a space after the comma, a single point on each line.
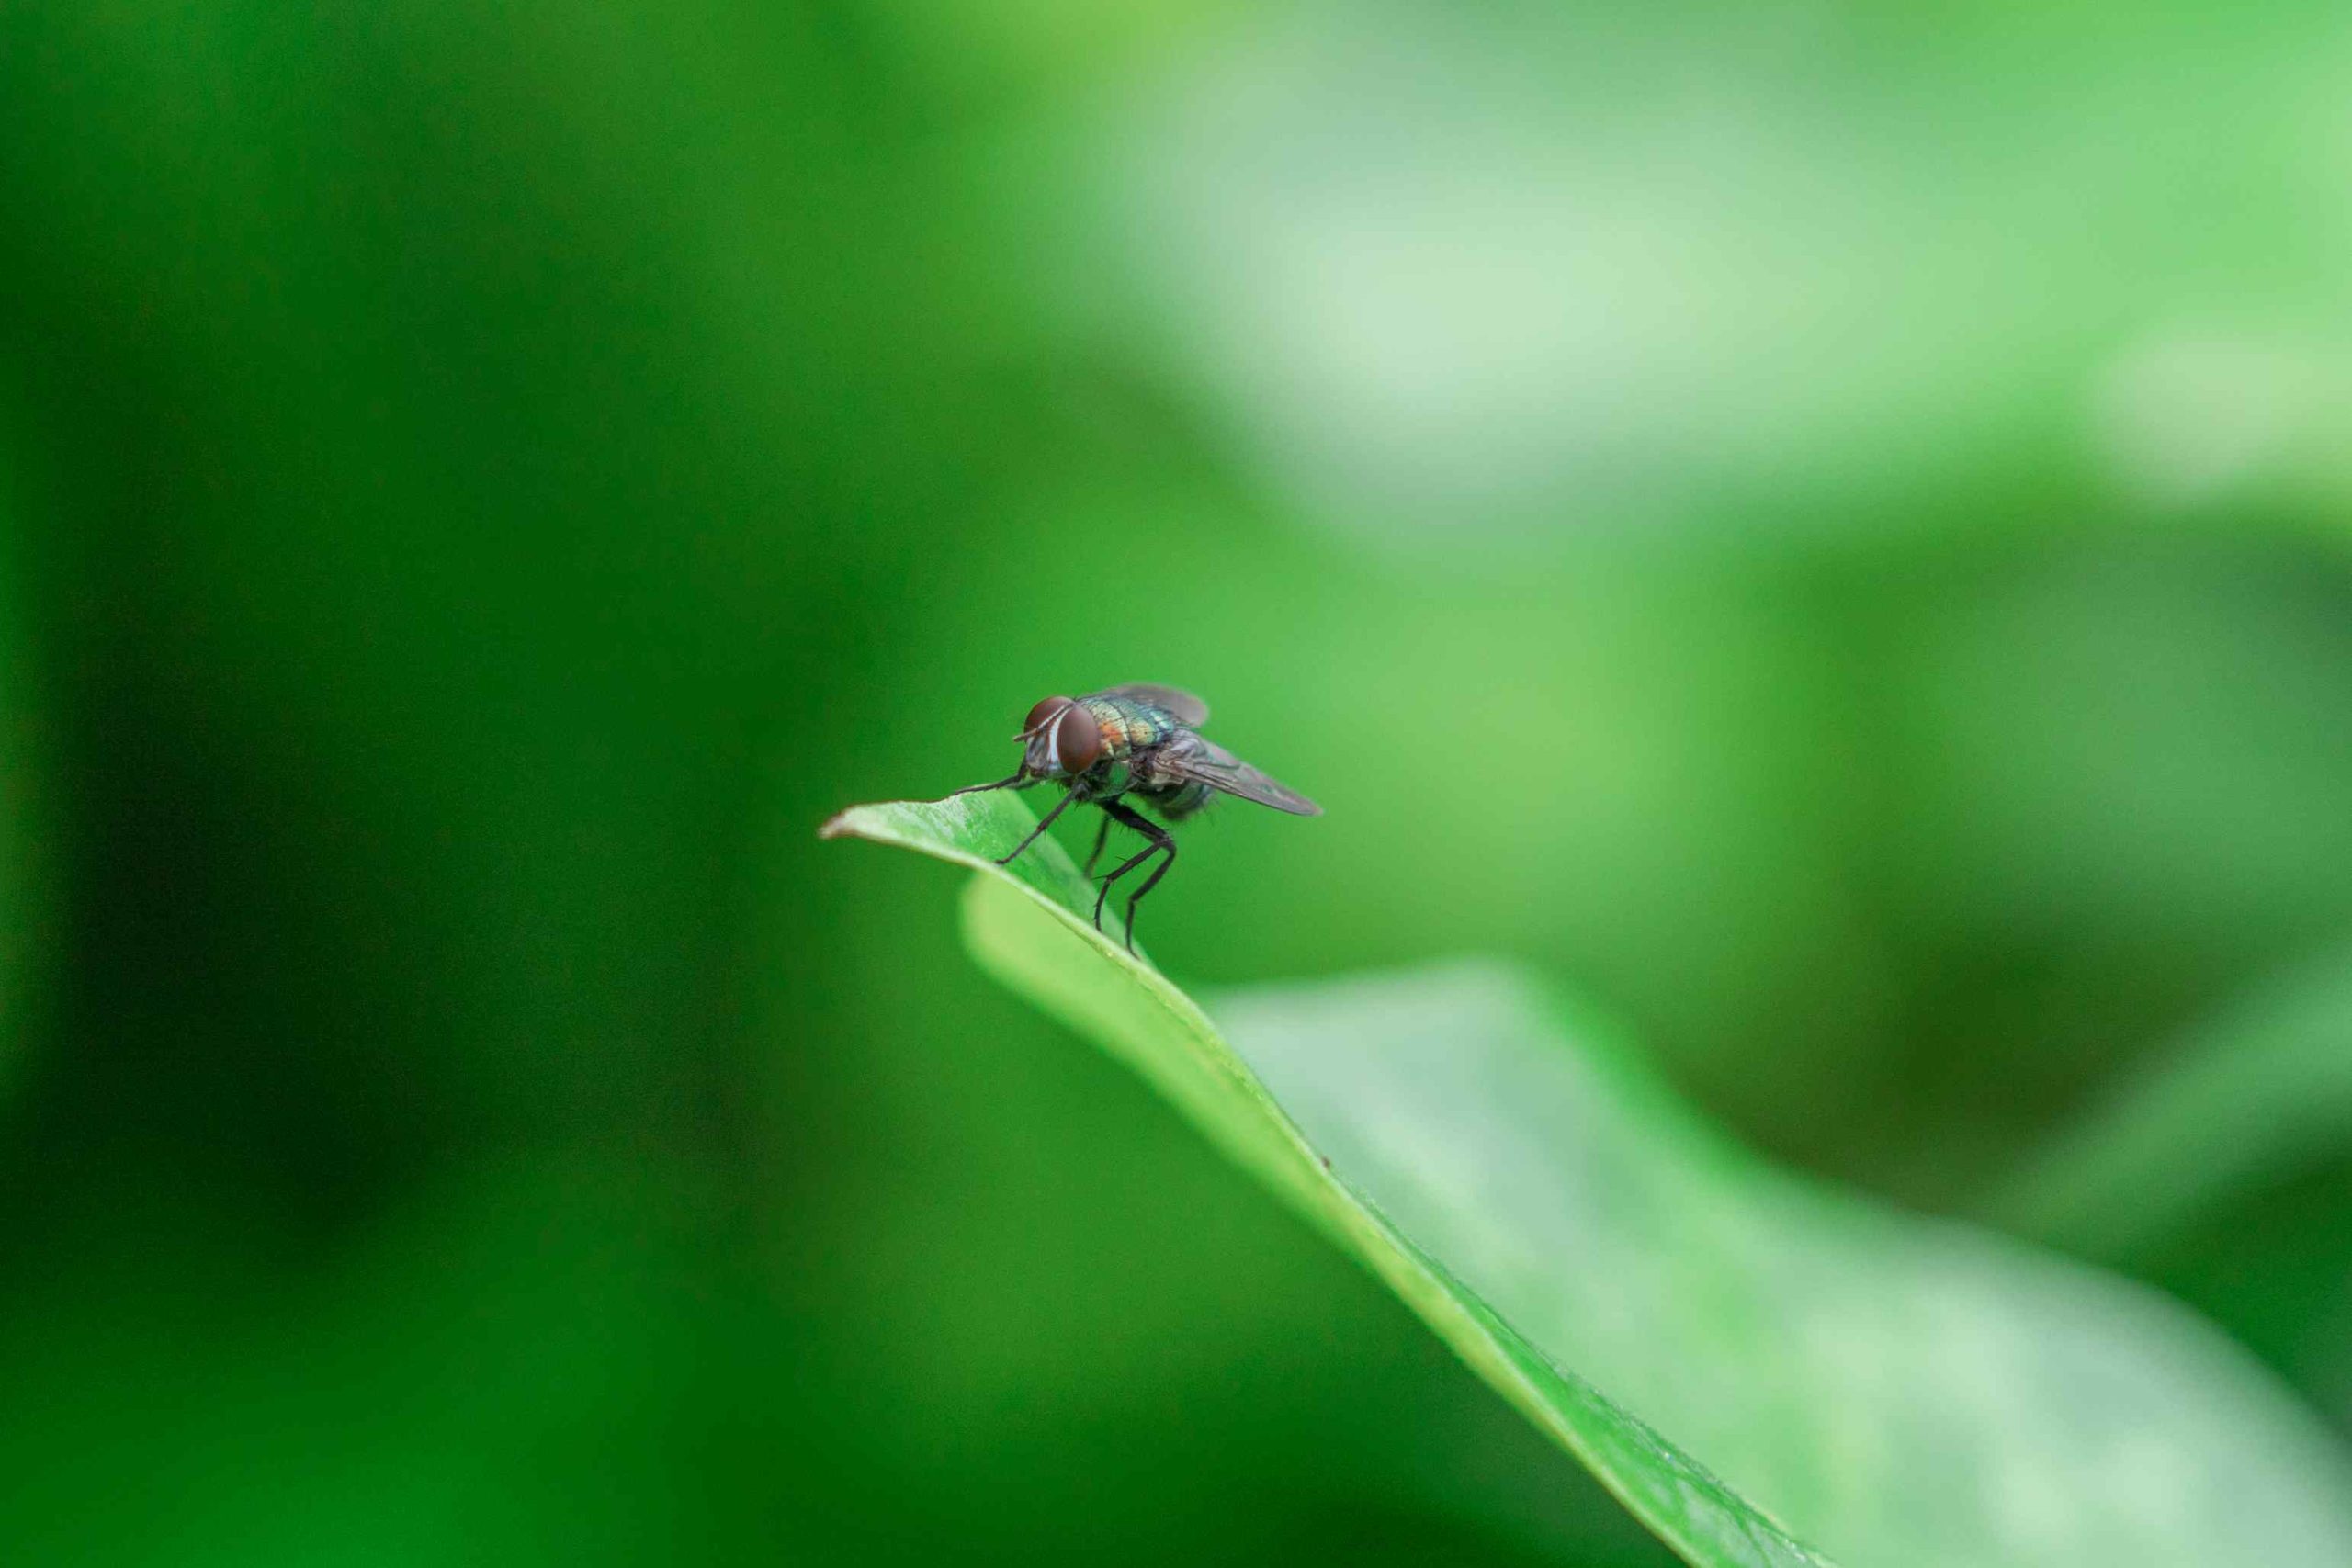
[1060, 739]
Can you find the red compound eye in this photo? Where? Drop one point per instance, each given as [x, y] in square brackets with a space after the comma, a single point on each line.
[1077, 739]
[1042, 713]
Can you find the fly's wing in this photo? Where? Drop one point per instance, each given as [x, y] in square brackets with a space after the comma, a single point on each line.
[1182, 706]
[1192, 758]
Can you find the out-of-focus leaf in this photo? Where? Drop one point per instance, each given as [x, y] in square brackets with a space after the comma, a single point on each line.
[2260, 1094]
[1743, 1358]
[1450, 272]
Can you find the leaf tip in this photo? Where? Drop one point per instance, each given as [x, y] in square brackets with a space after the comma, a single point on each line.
[838, 826]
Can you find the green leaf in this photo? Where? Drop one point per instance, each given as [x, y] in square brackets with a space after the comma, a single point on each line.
[1746, 1359]
[2256, 1095]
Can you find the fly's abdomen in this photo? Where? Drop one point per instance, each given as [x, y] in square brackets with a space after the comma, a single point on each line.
[1182, 801]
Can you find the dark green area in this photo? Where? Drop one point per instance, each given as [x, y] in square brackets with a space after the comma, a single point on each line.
[1822, 529]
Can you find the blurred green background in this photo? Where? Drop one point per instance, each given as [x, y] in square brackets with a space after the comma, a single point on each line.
[1821, 525]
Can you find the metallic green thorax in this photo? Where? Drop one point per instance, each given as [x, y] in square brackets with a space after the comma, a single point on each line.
[1129, 726]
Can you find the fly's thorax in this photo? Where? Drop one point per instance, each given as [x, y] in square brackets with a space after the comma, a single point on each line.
[1129, 726]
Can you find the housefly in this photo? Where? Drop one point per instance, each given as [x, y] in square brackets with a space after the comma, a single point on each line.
[1134, 743]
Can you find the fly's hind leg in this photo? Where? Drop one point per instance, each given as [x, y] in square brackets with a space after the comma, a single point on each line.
[1161, 844]
[1148, 884]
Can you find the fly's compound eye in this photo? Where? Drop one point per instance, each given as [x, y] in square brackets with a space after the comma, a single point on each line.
[1077, 739]
[1044, 711]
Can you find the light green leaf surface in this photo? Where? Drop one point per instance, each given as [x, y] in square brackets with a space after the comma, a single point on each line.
[1744, 1358]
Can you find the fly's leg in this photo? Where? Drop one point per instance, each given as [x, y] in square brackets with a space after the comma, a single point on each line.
[1148, 884]
[1101, 837]
[1117, 872]
[1015, 781]
[1161, 844]
[1043, 823]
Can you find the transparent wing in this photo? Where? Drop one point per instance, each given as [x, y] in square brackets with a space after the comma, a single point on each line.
[1194, 760]
[1183, 705]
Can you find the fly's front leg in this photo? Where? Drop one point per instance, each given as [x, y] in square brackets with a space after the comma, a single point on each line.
[1161, 844]
[1043, 823]
[1015, 781]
